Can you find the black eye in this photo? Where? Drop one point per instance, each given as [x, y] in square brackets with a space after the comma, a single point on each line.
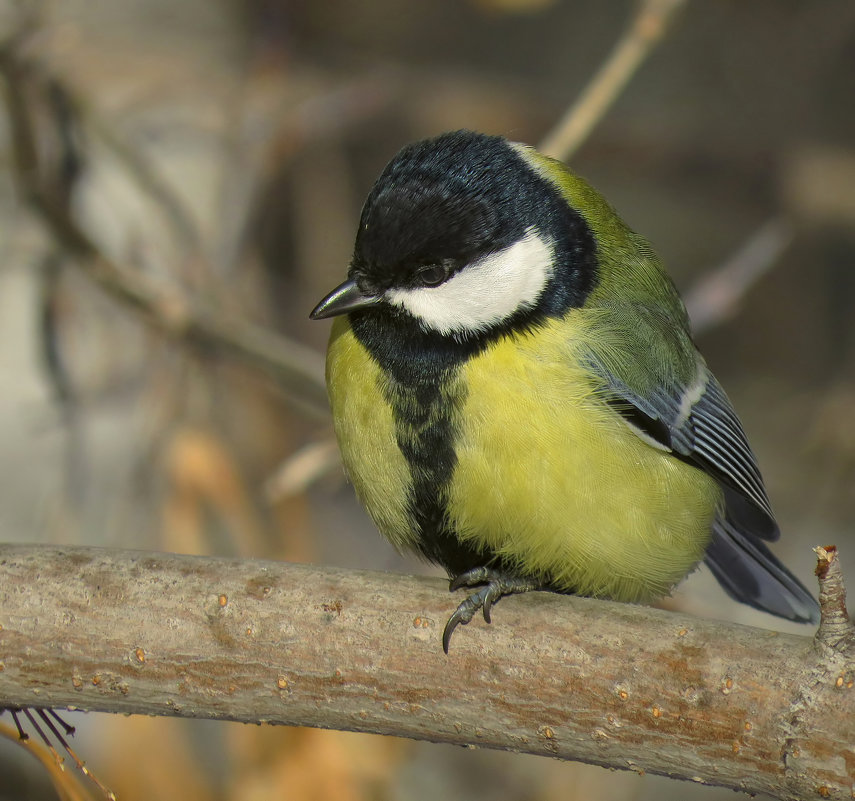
[432, 275]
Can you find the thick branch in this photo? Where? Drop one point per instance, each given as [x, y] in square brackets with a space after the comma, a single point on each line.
[600, 682]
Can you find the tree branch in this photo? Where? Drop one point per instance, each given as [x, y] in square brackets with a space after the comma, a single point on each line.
[644, 32]
[606, 683]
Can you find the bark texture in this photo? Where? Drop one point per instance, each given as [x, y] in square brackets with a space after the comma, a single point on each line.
[599, 682]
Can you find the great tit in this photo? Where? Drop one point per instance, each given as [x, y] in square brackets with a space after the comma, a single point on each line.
[517, 396]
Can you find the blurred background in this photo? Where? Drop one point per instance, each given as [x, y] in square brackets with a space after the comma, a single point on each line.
[221, 149]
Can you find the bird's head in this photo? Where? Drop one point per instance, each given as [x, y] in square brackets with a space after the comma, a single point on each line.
[463, 235]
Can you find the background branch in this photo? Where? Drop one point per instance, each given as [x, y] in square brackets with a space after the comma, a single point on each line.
[297, 368]
[718, 294]
[605, 683]
[646, 30]
[64, 782]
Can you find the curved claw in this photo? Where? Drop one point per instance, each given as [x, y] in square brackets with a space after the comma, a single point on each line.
[461, 616]
[488, 605]
[452, 624]
[496, 585]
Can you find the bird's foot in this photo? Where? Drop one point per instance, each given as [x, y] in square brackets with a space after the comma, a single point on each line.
[496, 586]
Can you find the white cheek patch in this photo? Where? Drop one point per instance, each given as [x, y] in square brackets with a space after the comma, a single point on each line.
[485, 292]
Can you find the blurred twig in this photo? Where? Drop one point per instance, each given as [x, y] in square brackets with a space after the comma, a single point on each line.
[260, 145]
[147, 178]
[161, 634]
[67, 788]
[641, 37]
[302, 469]
[717, 295]
[299, 370]
[62, 167]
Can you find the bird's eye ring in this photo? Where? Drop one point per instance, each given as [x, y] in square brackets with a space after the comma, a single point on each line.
[433, 275]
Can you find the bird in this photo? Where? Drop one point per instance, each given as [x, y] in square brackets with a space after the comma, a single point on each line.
[518, 399]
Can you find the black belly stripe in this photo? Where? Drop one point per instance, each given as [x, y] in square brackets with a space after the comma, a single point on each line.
[425, 434]
[426, 429]
[425, 394]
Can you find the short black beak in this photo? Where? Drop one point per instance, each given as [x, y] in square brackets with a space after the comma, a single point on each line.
[346, 297]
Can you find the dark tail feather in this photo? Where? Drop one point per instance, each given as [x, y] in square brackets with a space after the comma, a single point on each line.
[751, 574]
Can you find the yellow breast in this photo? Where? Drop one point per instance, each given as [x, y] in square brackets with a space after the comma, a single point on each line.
[554, 480]
[365, 429]
[547, 474]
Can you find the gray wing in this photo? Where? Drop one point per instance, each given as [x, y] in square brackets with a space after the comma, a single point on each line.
[698, 424]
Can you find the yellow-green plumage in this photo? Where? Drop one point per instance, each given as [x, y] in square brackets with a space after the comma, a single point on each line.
[366, 431]
[517, 396]
[551, 477]
[636, 297]
[548, 475]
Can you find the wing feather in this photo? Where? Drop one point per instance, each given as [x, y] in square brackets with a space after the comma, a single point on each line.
[697, 423]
